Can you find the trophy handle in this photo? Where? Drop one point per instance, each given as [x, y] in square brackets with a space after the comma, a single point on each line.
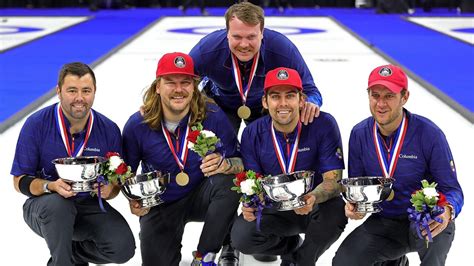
[363, 194]
[386, 190]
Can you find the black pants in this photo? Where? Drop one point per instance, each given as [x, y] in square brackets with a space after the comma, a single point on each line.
[380, 239]
[161, 230]
[77, 231]
[279, 232]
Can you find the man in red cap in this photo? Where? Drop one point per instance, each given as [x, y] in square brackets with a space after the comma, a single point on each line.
[280, 143]
[199, 189]
[409, 148]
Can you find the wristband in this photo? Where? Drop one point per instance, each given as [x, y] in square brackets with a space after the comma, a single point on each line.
[24, 185]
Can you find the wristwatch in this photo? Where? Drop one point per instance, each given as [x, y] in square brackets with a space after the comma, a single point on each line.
[45, 187]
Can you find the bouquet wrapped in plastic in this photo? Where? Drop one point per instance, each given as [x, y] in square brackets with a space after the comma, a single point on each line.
[248, 183]
[427, 205]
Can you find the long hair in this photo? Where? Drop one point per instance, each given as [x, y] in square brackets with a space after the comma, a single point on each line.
[153, 111]
[246, 12]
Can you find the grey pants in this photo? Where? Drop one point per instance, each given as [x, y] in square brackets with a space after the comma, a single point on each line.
[279, 232]
[161, 230]
[381, 239]
[77, 231]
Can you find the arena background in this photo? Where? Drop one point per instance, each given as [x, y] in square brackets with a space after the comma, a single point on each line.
[340, 45]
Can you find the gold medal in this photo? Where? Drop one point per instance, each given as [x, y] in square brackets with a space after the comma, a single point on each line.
[244, 112]
[182, 179]
[391, 196]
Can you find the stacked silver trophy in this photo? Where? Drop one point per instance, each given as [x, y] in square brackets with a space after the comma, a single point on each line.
[146, 188]
[367, 192]
[287, 190]
[80, 172]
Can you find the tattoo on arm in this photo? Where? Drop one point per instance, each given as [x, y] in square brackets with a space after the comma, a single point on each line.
[330, 187]
[236, 166]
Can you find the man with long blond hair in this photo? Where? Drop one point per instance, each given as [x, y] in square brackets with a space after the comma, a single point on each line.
[199, 188]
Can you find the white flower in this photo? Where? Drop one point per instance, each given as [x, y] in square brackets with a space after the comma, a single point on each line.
[430, 192]
[246, 187]
[190, 145]
[208, 134]
[114, 162]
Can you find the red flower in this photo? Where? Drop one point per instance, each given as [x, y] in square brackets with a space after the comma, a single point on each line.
[192, 137]
[258, 176]
[121, 169]
[242, 176]
[110, 154]
[442, 200]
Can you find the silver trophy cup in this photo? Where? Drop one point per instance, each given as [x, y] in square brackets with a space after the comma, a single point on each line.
[80, 172]
[366, 192]
[146, 188]
[287, 189]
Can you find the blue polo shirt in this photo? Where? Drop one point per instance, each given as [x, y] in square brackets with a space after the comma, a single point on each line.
[319, 149]
[142, 144]
[40, 142]
[212, 59]
[425, 154]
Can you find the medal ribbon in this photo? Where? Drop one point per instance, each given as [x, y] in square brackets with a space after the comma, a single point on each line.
[182, 155]
[388, 166]
[63, 131]
[238, 79]
[287, 166]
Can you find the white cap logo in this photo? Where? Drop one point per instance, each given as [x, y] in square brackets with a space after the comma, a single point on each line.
[385, 72]
[179, 62]
[282, 75]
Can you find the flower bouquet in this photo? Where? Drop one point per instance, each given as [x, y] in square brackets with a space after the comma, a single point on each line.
[248, 183]
[427, 205]
[115, 169]
[203, 142]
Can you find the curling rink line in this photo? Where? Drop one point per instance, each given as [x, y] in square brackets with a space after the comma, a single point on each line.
[31, 28]
[340, 65]
[461, 28]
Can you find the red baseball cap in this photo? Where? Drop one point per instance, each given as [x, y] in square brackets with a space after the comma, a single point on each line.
[390, 76]
[282, 76]
[175, 63]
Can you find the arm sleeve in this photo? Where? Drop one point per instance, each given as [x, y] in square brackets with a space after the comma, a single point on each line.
[248, 149]
[195, 53]
[26, 160]
[116, 142]
[227, 135]
[131, 147]
[330, 148]
[442, 168]
[309, 87]
[355, 164]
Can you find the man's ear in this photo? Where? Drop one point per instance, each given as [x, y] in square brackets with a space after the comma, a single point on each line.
[405, 97]
[264, 102]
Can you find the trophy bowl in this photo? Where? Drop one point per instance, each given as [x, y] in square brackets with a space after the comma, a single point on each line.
[80, 172]
[287, 189]
[146, 188]
[366, 192]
